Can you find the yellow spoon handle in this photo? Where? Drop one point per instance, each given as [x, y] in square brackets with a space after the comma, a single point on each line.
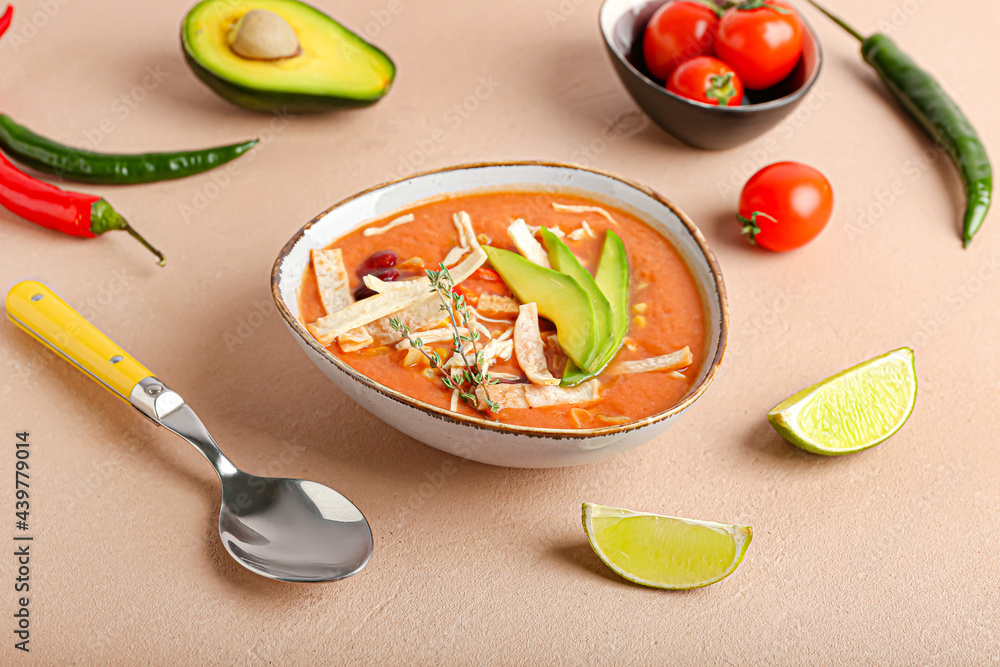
[39, 311]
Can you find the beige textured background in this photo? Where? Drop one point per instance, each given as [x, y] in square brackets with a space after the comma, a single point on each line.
[887, 557]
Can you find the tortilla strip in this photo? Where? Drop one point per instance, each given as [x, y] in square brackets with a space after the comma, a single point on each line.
[454, 255]
[392, 297]
[424, 314]
[498, 306]
[401, 220]
[526, 243]
[480, 316]
[335, 293]
[536, 396]
[326, 329]
[528, 346]
[355, 339]
[574, 208]
[464, 227]
[668, 362]
[331, 279]
[504, 395]
[540, 397]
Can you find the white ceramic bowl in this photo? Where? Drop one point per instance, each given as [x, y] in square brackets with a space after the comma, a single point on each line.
[470, 437]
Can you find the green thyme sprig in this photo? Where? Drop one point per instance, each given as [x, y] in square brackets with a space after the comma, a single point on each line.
[472, 375]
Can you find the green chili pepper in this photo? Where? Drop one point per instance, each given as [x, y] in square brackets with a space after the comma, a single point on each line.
[72, 164]
[927, 102]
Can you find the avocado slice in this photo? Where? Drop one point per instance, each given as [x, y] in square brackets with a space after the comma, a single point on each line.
[559, 297]
[563, 260]
[333, 68]
[612, 279]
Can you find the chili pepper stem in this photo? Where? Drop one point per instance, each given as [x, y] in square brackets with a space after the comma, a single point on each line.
[138, 236]
[104, 218]
[839, 21]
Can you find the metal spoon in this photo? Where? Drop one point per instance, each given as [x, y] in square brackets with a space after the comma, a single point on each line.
[285, 529]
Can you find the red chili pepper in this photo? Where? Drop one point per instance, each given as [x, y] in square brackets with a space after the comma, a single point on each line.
[483, 273]
[466, 292]
[5, 19]
[73, 213]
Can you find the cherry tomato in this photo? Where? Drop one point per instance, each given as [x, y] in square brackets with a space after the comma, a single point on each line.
[677, 32]
[707, 80]
[785, 205]
[761, 40]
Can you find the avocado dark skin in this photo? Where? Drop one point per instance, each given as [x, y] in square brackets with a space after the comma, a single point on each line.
[272, 102]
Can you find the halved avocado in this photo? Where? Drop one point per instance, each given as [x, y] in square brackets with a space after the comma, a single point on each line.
[334, 68]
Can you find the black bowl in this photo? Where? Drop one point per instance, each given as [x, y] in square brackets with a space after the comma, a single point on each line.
[701, 125]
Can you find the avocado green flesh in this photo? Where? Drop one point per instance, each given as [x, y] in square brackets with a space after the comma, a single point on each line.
[559, 298]
[563, 260]
[612, 279]
[335, 67]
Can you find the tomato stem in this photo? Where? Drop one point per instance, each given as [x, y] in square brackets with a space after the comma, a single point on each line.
[711, 4]
[721, 89]
[750, 226]
[747, 5]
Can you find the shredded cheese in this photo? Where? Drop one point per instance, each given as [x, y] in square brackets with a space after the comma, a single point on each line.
[579, 234]
[527, 245]
[574, 208]
[401, 220]
[667, 362]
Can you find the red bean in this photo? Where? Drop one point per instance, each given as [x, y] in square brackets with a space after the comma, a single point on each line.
[363, 292]
[380, 260]
[388, 274]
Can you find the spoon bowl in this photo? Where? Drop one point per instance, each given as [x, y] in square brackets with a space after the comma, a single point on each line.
[292, 529]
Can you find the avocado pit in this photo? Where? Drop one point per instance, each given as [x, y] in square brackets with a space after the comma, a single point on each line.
[261, 34]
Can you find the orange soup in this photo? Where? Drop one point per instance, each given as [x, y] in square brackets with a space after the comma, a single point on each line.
[666, 317]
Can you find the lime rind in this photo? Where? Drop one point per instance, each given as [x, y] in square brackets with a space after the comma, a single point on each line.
[680, 551]
[853, 410]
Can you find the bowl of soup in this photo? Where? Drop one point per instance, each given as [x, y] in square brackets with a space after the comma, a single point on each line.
[521, 314]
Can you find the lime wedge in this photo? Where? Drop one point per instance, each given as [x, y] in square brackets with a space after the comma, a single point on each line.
[664, 551]
[853, 410]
